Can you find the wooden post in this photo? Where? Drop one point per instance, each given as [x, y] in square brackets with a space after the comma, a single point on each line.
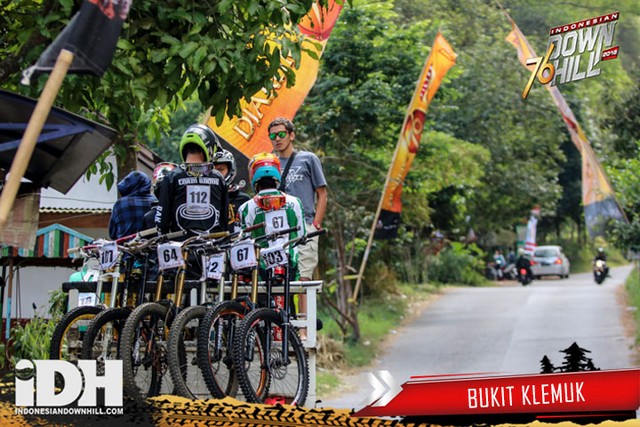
[31, 134]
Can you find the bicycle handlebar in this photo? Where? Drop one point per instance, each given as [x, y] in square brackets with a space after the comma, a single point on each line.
[301, 240]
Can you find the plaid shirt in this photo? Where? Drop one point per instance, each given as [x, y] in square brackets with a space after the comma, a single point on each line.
[127, 216]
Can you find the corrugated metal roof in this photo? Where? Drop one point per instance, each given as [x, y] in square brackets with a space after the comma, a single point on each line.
[75, 210]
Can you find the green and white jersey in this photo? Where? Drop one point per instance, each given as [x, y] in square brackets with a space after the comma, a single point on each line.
[290, 215]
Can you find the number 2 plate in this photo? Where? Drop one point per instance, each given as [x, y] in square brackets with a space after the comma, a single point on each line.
[214, 265]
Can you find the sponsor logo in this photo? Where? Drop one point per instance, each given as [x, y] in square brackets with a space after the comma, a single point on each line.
[575, 52]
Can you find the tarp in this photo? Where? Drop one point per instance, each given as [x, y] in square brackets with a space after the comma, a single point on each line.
[66, 148]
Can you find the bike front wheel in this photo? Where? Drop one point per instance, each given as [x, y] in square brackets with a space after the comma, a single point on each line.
[267, 371]
[215, 346]
[143, 348]
[182, 354]
[66, 341]
[102, 339]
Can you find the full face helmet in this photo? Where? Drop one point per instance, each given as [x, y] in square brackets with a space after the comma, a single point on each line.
[203, 137]
[600, 250]
[263, 159]
[225, 157]
[160, 171]
[266, 171]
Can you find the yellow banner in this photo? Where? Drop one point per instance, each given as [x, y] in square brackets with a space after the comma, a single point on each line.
[598, 196]
[440, 60]
[248, 132]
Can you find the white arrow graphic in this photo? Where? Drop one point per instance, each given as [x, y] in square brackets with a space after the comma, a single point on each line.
[384, 388]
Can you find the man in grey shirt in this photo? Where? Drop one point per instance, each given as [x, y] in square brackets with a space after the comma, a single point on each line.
[305, 180]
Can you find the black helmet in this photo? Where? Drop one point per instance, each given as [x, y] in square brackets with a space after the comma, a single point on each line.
[203, 137]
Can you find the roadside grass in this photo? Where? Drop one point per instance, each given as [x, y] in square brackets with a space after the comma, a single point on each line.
[378, 318]
[633, 292]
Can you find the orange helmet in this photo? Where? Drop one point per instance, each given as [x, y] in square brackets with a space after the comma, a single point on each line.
[263, 159]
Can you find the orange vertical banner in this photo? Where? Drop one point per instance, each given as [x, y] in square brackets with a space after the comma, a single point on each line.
[247, 134]
[440, 60]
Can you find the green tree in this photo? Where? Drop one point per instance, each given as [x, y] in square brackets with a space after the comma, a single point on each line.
[167, 52]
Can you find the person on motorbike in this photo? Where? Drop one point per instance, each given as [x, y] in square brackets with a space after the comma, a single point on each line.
[524, 262]
[499, 264]
[601, 256]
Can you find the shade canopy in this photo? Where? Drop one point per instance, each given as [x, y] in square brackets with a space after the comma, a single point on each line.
[67, 146]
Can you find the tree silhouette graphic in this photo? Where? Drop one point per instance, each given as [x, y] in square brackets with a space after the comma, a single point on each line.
[575, 359]
[547, 366]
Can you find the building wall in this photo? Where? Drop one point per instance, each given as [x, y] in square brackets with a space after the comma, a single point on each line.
[33, 287]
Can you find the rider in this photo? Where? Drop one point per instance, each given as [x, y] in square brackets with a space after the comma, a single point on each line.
[159, 172]
[225, 163]
[601, 256]
[127, 216]
[194, 196]
[524, 261]
[499, 263]
[276, 209]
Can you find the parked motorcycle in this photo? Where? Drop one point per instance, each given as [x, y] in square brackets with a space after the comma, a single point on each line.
[510, 272]
[599, 271]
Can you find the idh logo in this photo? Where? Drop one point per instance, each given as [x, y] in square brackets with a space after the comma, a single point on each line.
[58, 383]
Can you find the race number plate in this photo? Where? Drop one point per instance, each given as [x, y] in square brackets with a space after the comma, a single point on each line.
[170, 255]
[275, 221]
[215, 264]
[198, 197]
[243, 255]
[274, 256]
[108, 255]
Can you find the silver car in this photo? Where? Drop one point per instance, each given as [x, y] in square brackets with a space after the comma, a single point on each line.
[550, 261]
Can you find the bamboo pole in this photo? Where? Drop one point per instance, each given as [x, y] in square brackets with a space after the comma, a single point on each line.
[365, 257]
[31, 134]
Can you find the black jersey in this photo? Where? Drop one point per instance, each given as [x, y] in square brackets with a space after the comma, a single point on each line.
[196, 204]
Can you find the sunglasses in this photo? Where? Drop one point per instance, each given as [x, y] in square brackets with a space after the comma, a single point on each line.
[281, 134]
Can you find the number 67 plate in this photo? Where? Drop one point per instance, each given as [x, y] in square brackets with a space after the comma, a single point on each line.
[243, 255]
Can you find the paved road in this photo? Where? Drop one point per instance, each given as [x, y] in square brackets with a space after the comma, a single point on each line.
[506, 329]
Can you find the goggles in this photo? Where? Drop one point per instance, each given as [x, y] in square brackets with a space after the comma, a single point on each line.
[271, 202]
[281, 134]
[197, 169]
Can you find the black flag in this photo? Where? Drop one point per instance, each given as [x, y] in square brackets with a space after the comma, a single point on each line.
[387, 226]
[91, 36]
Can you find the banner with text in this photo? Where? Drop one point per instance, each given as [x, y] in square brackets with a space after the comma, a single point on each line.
[598, 196]
[247, 134]
[572, 395]
[440, 60]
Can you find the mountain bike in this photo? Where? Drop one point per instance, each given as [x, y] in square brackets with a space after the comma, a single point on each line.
[217, 328]
[67, 337]
[143, 345]
[244, 357]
